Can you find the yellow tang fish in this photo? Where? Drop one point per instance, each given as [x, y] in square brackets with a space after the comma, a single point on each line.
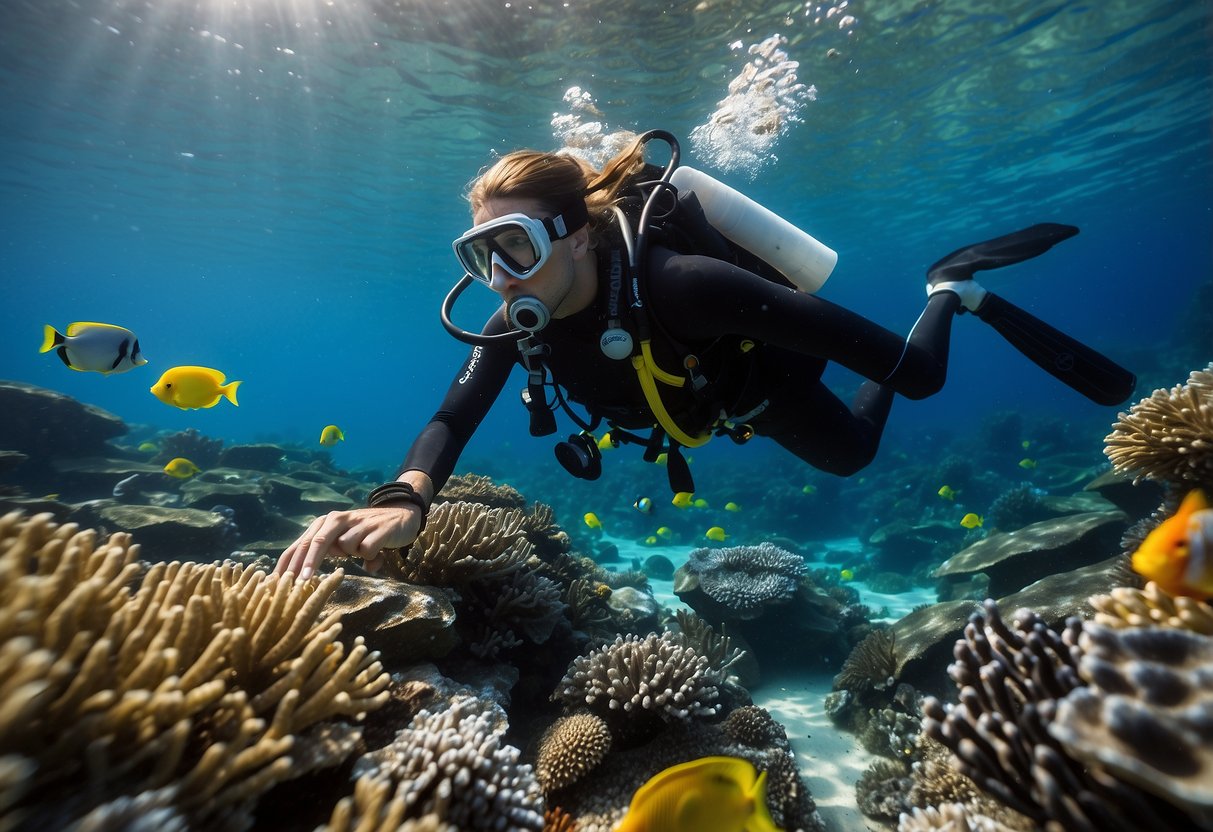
[947, 492]
[92, 347]
[331, 435]
[715, 533]
[651, 540]
[700, 502]
[972, 521]
[190, 388]
[662, 458]
[148, 447]
[809, 489]
[711, 794]
[591, 520]
[847, 575]
[731, 506]
[682, 499]
[606, 443]
[665, 532]
[181, 468]
[1178, 554]
[1027, 463]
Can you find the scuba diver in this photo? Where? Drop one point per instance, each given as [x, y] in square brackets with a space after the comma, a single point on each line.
[678, 330]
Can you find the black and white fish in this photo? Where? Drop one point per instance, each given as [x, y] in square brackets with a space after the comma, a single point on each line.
[94, 347]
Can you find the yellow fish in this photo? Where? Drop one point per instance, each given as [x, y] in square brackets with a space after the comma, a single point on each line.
[809, 489]
[847, 575]
[665, 532]
[711, 794]
[731, 506]
[1024, 444]
[148, 447]
[591, 520]
[651, 540]
[715, 533]
[700, 502]
[682, 499]
[1178, 554]
[1027, 463]
[331, 435]
[190, 388]
[662, 458]
[92, 347]
[947, 492]
[605, 443]
[972, 521]
[181, 468]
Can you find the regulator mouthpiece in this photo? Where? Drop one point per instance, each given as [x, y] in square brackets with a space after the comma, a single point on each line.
[528, 314]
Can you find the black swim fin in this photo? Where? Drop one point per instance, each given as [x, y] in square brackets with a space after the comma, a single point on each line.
[1001, 251]
[1096, 376]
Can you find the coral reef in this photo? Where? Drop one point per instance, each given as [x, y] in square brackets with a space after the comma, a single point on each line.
[462, 542]
[1149, 607]
[658, 676]
[1020, 685]
[570, 747]
[189, 696]
[753, 726]
[1168, 435]
[474, 488]
[453, 764]
[872, 665]
[744, 579]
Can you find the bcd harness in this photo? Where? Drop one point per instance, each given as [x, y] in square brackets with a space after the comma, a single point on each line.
[682, 227]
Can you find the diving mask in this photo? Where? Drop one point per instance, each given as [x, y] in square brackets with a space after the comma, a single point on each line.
[516, 242]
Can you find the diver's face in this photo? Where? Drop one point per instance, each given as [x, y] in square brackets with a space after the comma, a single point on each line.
[551, 282]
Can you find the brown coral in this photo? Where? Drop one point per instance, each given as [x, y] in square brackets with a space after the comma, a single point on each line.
[474, 488]
[871, 665]
[570, 747]
[753, 726]
[1168, 436]
[462, 542]
[1151, 606]
[184, 695]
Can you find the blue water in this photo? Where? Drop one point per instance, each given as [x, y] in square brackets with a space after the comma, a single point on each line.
[270, 188]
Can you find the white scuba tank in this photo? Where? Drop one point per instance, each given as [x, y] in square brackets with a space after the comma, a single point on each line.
[794, 253]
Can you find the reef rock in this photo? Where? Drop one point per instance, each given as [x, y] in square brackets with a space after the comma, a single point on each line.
[1012, 560]
[262, 457]
[404, 622]
[163, 534]
[45, 424]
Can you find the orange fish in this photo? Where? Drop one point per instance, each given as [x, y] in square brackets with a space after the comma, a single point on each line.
[1178, 554]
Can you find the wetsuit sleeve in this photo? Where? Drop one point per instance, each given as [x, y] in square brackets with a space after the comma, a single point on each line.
[698, 298]
[471, 394]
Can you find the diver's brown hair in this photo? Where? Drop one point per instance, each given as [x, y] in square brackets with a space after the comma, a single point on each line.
[556, 179]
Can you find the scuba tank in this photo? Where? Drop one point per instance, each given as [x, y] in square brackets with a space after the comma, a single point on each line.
[792, 252]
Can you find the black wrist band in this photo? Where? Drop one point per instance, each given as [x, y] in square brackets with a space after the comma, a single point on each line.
[398, 494]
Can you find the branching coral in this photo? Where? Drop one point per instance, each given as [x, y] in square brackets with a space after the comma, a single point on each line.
[1005, 733]
[521, 604]
[570, 747]
[1168, 436]
[753, 726]
[193, 686]
[703, 638]
[657, 675]
[747, 578]
[474, 488]
[462, 542]
[1128, 607]
[454, 765]
[948, 817]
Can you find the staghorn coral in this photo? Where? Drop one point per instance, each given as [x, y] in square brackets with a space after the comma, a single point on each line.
[570, 747]
[747, 578]
[182, 688]
[657, 676]
[1010, 681]
[463, 542]
[872, 664]
[375, 807]
[454, 764]
[1146, 714]
[1168, 435]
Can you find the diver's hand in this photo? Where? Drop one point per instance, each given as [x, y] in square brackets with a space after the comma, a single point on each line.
[361, 533]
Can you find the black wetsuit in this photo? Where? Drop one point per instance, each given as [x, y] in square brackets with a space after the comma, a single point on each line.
[711, 307]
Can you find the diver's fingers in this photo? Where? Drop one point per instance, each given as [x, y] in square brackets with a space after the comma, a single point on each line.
[324, 542]
[373, 565]
[292, 557]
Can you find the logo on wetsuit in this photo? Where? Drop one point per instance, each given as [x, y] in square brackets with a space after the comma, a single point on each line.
[471, 367]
